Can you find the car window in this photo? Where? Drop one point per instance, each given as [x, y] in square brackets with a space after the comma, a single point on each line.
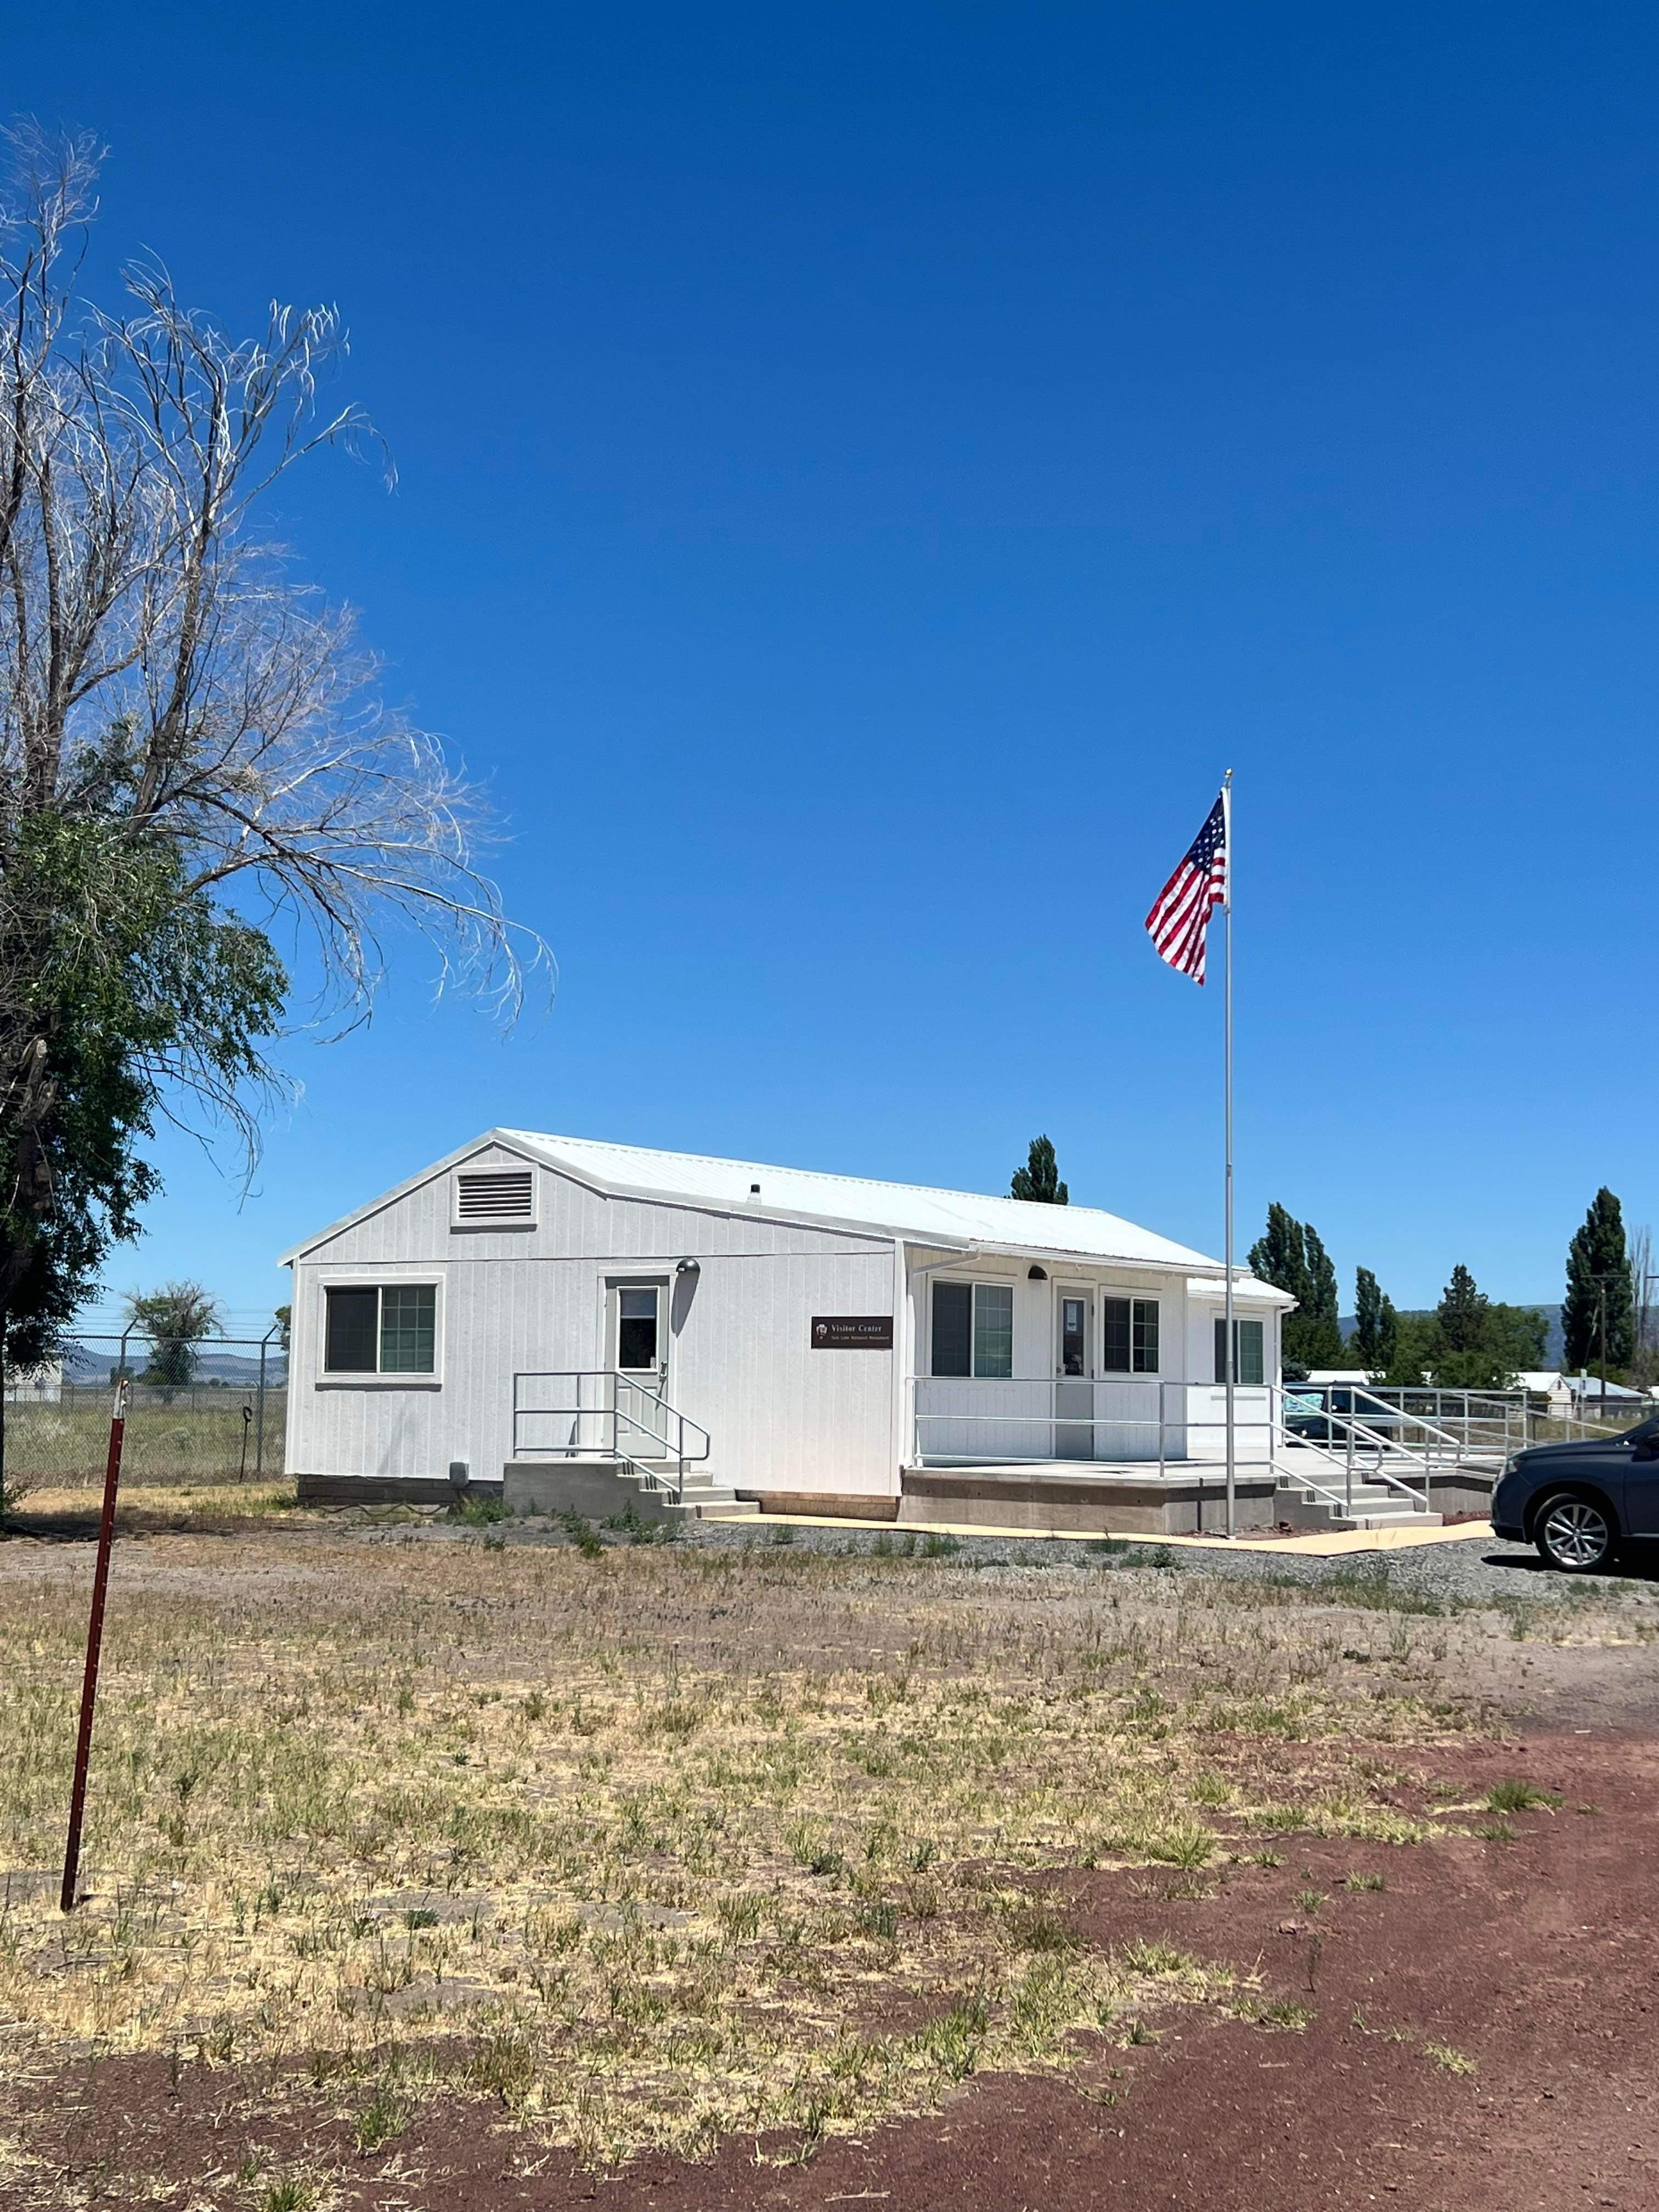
[1643, 1432]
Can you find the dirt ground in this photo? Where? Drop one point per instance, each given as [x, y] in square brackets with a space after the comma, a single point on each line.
[1458, 2024]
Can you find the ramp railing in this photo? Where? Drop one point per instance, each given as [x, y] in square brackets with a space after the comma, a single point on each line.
[598, 1413]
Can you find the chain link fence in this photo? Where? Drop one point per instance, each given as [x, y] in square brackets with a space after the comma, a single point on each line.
[211, 1412]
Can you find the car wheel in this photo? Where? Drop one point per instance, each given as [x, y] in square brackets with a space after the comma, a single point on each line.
[1574, 1534]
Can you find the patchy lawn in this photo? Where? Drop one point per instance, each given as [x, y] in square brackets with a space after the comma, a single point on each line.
[678, 1852]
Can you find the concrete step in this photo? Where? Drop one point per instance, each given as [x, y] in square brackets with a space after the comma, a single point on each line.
[705, 1499]
[709, 1505]
[1374, 1505]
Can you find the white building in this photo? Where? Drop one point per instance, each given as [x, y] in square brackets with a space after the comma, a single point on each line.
[535, 1306]
[38, 1386]
[1580, 1396]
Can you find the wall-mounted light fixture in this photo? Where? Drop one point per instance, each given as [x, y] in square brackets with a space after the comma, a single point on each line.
[689, 1267]
[1036, 1274]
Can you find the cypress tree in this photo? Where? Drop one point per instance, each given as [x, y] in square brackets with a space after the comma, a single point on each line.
[1376, 1324]
[1291, 1257]
[1387, 1334]
[1598, 1250]
[1038, 1180]
[1280, 1257]
[1324, 1335]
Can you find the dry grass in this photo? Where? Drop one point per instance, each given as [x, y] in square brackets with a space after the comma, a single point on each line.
[199, 1438]
[654, 1846]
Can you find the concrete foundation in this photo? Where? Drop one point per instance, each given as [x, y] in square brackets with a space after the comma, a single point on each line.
[1190, 1503]
[387, 1490]
[592, 1488]
[834, 1504]
[1461, 1490]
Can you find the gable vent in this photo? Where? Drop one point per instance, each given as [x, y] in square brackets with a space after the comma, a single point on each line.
[502, 1194]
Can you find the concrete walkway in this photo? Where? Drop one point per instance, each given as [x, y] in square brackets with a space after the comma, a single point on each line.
[1316, 1546]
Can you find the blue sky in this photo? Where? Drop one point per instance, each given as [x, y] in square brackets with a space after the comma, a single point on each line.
[864, 473]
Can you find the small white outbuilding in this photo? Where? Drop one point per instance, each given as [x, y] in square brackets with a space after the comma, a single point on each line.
[534, 1308]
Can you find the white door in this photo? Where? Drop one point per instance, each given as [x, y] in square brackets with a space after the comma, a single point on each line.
[1074, 1390]
[638, 1335]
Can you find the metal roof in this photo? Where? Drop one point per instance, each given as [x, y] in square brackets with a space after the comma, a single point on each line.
[940, 1220]
[1250, 1288]
[935, 1218]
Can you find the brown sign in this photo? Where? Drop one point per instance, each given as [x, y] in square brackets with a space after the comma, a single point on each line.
[852, 1332]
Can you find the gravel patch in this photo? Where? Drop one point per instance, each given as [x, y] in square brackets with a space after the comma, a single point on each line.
[1472, 1571]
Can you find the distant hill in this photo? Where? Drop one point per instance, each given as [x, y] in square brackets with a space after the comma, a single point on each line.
[236, 1371]
[1554, 1342]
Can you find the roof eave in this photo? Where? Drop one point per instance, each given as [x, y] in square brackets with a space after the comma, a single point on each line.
[499, 1137]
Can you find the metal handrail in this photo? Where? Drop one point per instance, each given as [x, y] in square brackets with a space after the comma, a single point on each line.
[1379, 1473]
[1326, 1393]
[1356, 1430]
[581, 1410]
[1343, 1501]
[1272, 1452]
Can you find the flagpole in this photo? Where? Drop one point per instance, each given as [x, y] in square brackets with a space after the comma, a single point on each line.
[1227, 1055]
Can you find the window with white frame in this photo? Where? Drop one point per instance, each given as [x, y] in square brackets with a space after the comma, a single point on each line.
[1128, 1336]
[1249, 1351]
[380, 1328]
[974, 1329]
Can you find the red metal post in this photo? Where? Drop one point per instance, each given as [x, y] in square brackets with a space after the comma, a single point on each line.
[94, 1643]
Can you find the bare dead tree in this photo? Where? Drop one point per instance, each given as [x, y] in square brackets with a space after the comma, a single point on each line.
[170, 690]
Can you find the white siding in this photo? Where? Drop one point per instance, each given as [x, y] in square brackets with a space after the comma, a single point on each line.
[958, 1417]
[780, 1416]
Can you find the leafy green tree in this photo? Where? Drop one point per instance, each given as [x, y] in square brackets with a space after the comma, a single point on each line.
[1411, 1353]
[176, 1319]
[1291, 1256]
[1461, 1316]
[1038, 1180]
[1475, 1344]
[113, 977]
[1597, 1263]
[1519, 1335]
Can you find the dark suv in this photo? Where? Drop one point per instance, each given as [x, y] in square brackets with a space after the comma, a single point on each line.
[1577, 1502]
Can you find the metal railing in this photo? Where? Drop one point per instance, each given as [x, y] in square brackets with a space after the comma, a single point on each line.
[601, 1412]
[1050, 1420]
[1365, 1449]
[1352, 1435]
[1587, 1415]
[1441, 1426]
[1483, 1424]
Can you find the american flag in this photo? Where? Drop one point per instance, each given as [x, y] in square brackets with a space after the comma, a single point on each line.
[1181, 913]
